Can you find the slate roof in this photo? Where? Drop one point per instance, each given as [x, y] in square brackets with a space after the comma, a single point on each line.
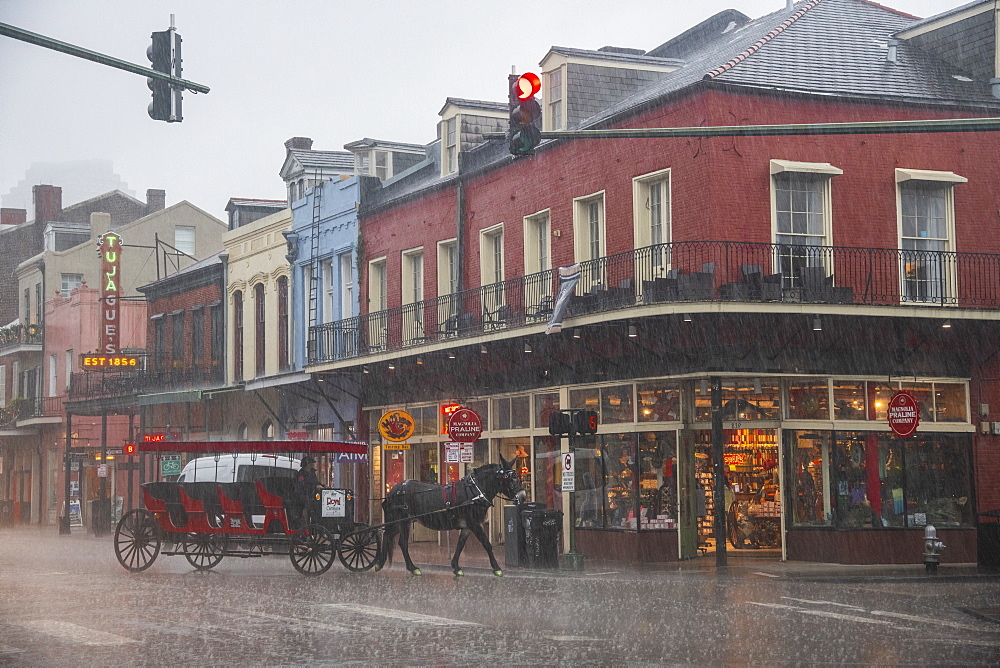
[479, 105]
[827, 47]
[331, 160]
[617, 57]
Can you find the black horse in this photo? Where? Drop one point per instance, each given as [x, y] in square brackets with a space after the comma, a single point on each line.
[459, 505]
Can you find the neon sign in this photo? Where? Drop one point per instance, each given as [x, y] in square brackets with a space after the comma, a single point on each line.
[109, 248]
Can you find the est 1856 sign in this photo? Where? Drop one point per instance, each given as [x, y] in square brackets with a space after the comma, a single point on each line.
[465, 426]
[903, 414]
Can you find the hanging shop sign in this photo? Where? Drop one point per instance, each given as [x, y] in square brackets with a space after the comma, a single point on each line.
[903, 414]
[109, 248]
[396, 446]
[396, 426]
[465, 426]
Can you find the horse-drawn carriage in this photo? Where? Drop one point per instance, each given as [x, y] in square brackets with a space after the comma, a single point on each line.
[207, 521]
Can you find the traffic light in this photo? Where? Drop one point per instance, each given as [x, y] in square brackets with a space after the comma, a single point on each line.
[164, 54]
[525, 114]
[559, 423]
[585, 422]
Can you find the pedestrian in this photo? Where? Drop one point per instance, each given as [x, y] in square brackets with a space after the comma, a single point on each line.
[307, 485]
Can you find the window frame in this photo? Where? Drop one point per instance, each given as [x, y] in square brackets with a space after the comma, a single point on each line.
[193, 242]
[538, 242]
[238, 336]
[260, 329]
[822, 173]
[492, 255]
[584, 242]
[555, 106]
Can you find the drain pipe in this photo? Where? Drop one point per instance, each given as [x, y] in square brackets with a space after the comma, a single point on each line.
[891, 54]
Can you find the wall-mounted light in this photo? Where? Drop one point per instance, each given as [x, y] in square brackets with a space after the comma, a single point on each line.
[365, 369]
[817, 324]
[420, 359]
[482, 349]
[946, 324]
[527, 347]
[392, 365]
[632, 332]
[687, 317]
[451, 354]
[320, 379]
[576, 332]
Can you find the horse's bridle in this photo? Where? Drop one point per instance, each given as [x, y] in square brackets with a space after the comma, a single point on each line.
[505, 475]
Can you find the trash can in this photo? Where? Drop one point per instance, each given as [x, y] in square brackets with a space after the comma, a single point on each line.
[513, 531]
[988, 540]
[541, 537]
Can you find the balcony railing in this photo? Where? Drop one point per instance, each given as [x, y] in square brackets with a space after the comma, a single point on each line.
[107, 384]
[703, 271]
[21, 335]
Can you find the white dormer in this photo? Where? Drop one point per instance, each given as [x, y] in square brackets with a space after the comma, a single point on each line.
[304, 168]
[462, 125]
[384, 159]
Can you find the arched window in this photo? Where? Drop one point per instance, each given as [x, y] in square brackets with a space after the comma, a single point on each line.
[267, 431]
[238, 336]
[283, 323]
[259, 326]
[242, 432]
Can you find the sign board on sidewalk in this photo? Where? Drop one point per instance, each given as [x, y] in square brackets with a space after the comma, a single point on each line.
[170, 465]
[334, 503]
[75, 516]
[568, 472]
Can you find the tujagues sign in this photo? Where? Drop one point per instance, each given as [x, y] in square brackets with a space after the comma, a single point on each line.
[465, 426]
[904, 414]
[109, 247]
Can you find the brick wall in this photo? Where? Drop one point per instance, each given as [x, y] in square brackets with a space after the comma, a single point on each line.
[186, 301]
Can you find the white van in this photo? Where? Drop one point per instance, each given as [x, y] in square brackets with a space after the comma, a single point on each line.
[238, 468]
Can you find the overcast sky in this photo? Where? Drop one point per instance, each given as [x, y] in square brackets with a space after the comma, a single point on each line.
[333, 70]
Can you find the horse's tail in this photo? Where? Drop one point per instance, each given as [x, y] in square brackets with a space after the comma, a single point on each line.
[388, 544]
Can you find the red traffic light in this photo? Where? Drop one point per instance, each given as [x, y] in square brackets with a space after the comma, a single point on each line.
[130, 449]
[527, 85]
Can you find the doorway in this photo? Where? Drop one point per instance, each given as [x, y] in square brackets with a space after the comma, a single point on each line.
[752, 494]
[425, 467]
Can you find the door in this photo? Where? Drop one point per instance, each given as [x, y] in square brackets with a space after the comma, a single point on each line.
[424, 467]
[687, 495]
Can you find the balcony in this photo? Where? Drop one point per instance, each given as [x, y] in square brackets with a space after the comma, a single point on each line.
[21, 338]
[40, 410]
[89, 385]
[655, 277]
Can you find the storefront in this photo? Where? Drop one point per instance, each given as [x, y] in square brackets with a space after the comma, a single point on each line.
[812, 470]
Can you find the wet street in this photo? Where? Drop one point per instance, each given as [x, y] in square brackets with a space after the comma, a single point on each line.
[67, 601]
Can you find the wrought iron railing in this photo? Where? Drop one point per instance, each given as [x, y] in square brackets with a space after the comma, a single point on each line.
[14, 335]
[701, 271]
[107, 384]
[42, 407]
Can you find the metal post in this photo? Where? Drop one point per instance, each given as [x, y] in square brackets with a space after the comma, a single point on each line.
[131, 459]
[719, 477]
[101, 514]
[64, 522]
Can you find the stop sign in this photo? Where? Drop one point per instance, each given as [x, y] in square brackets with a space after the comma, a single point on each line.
[904, 414]
[465, 426]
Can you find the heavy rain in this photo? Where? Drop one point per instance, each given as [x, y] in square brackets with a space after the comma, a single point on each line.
[468, 335]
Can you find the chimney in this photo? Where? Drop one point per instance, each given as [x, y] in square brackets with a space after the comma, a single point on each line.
[100, 223]
[13, 216]
[156, 200]
[299, 143]
[48, 202]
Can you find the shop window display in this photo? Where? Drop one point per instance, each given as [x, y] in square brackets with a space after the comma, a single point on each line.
[517, 451]
[937, 480]
[547, 471]
[869, 483]
[808, 399]
[657, 466]
[544, 406]
[809, 478]
[703, 399]
[616, 404]
[949, 402]
[752, 401]
[849, 400]
[922, 392]
[586, 399]
[879, 395]
[620, 484]
[590, 474]
[659, 402]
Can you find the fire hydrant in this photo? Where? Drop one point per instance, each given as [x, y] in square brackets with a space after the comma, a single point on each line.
[932, 549]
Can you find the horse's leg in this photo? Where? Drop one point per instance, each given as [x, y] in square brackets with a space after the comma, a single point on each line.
[387, 547]
[462, 537]
[404, 543]
[484, 539]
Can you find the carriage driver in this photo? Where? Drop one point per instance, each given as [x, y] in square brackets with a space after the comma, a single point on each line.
[306, 486]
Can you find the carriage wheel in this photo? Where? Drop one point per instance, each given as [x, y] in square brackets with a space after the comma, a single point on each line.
[137, 540]
[313, 550]
[204, 550]
[360, 548]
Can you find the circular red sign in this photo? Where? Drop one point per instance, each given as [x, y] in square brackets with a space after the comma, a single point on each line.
[465, 426]
[904, 414]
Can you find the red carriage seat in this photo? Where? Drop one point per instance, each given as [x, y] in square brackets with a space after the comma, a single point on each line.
[166, 496]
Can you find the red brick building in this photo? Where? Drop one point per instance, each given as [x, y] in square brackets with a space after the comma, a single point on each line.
[771, 292]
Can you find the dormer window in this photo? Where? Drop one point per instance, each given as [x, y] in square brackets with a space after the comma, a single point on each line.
[554, 118]
[450, 145]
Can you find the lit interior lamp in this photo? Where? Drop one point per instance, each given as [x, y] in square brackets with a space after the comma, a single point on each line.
[482, 349]
[392, 365]
[364, 368]
[946, 324]
[576, 333]
[420, 359]
[451, 354]
[521, 460]
[687, 317]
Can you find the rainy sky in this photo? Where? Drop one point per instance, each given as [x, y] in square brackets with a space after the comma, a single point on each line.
[333, 70]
